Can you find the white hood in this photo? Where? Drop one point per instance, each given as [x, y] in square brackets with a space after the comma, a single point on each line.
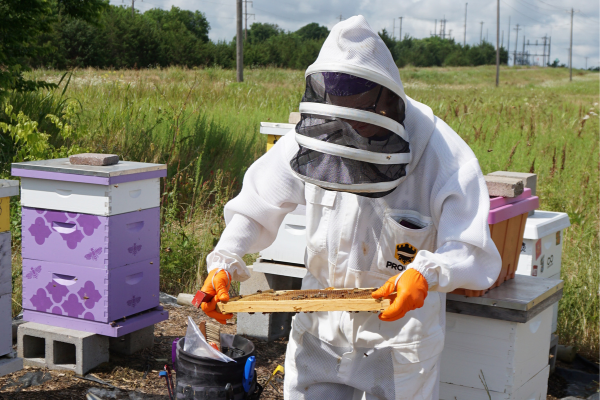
[353, 47]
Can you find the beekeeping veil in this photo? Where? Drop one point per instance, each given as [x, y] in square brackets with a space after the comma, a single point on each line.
[351, 132]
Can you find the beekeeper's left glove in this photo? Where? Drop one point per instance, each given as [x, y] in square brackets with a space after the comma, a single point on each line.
[411, 289]
[216, 284]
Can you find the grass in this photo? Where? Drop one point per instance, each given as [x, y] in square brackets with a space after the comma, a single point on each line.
[205, 126]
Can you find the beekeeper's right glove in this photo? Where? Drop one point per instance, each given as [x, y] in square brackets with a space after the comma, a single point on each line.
[216, 284]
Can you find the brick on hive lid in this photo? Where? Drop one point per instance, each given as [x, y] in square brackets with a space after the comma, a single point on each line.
[504, 186]
[96, 159]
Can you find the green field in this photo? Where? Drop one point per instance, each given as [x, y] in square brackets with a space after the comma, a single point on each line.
[206, 127]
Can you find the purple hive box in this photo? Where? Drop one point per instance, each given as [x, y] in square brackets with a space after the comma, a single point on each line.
[93, 294]
[89, 240]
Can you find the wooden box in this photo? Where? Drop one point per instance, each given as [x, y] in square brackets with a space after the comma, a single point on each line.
[98, 190]
[4, 214]
[507, 220]
[5, 264]
[509, 353]
[91, 240]
[5, 324]
[290, 244]
[88, 198]
[274, 131]
[534, 389]
[93, 294]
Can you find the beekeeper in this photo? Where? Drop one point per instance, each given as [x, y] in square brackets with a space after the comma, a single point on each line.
[394, 199]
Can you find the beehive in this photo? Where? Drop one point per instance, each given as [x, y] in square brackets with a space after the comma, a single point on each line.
[7, 190]
[507, 220]
[91, 242]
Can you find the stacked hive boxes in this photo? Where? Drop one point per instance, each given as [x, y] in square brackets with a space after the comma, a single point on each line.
[91, 242]
[7, 189]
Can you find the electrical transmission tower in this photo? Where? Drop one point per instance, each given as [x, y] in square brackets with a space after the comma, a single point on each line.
[481, 33]
[246, 16]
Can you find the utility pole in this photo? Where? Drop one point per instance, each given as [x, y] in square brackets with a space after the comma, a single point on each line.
[239, 42]
[523, 54]
[443, 28]
[516, 45]
[340, 17]
[508, 42]
[549, 43]
[571, 50]
[465, 35]
[450, 34]
[544, 51]
[435, 28]
[133, 7]
[586, 62]
[481, 33]
[394, 28]
[497, 42]
[400, 28]
[246, 17]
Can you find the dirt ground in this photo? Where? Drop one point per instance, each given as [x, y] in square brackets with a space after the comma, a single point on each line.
[136, 376]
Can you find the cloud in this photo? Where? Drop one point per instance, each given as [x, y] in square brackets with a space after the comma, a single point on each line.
[536, 18]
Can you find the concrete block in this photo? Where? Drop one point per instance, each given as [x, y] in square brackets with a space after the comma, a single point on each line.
[5, 324]
[94, 159]
[529, 180]
[266, 327]
[5, 264]
[57, 348]
[504, 186]
[132, 342]
[10, 363]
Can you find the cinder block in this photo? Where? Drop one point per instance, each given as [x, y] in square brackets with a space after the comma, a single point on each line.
[529, 180]
[96, 159]
[133, 342]
[60, 348]
[266, 327]
[5, 264]
[503, 186]
[10, 363]
[5, 324]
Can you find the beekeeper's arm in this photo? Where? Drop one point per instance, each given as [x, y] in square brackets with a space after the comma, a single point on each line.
[466, 256]
[269, 192]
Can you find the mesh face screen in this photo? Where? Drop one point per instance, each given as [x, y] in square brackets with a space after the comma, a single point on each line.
[355, 93]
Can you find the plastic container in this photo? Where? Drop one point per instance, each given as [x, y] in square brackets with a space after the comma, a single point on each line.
[200, 378]
[507, 220]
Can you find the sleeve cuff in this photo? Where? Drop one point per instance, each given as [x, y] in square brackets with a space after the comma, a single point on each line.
[426, 268]
[230, 262]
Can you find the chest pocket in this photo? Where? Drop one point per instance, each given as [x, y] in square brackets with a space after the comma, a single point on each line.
[319, 204]
[404, 234]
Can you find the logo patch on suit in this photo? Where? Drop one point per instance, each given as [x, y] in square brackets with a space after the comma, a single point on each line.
[405, 253]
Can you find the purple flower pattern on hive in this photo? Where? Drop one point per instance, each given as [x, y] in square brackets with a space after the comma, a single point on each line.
[89, 315]
[57, 291]
[88, 223]
[56, 216]
[56, 310]
[41, 301]
[40, 231]
[89, 294]
[72, 238]
[72, 306]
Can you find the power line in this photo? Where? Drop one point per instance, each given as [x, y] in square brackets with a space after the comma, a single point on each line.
[525, 15]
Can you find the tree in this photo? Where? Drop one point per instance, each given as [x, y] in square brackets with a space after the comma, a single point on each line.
[313, 31]
[21, 23]
[195, 22]
[260, 32]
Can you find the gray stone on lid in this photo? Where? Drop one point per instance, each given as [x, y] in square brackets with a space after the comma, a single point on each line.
[94, 159]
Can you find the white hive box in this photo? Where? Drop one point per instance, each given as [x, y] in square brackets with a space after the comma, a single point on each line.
[541, 251]
[5, 264]
[98, 190]
[290, 244]
[5, 324]
[509, 353]
[534, 389]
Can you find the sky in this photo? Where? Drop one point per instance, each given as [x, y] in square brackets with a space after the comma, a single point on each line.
[536, 19]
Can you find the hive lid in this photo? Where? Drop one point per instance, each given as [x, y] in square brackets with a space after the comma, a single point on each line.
[62, 170]
[507, 211]
[544, 223]
[9, 188]
[275, 128]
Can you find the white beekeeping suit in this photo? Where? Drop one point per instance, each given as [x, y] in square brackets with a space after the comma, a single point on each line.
[426, 211]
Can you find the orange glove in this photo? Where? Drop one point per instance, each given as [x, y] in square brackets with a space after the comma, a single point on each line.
[411, 291]
[217, 284]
